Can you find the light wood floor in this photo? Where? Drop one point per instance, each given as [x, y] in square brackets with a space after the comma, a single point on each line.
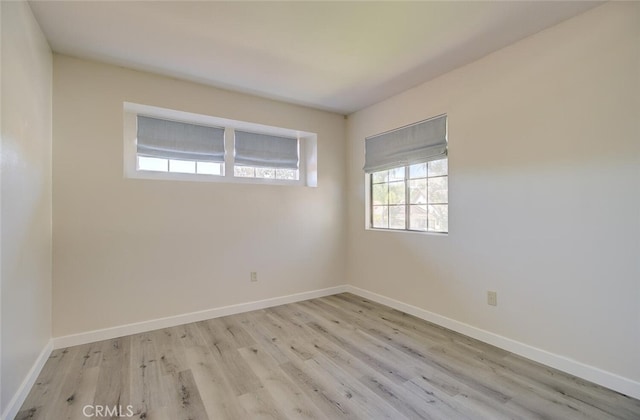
[329, 358]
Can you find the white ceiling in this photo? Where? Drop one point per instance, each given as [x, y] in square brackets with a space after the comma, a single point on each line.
[337, 56]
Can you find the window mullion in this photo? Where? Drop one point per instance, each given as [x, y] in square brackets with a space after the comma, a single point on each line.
[407, 198]
[229, 147]
[371, 199]
[427, 197]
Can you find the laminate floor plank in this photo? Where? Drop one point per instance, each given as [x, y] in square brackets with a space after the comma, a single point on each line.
[406, 323]
[225, 351]
[169, 351]
[559, 383]
[439, 404]
[254, 324]
[260, 406]
[326, 398]
[425, 363]
[387, 389]
[218, 396]
[145, 375]
[190, 336]
[282, 340]
[113, 386]
[359, 399]
[51, 382]
[389, 315]
[288, 397]
[293, 319]
[234, 328]
[184, 401]
[389, 393]
[78, 388]
[445, 381]
[346, 336]
[336, 357]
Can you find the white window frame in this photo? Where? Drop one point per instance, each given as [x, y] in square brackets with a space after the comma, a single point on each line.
[369, 204]
[307, 143]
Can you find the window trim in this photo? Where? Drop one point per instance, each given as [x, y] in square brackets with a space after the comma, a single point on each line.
[307, 143]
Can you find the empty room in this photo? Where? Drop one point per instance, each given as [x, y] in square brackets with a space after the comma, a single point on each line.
[319, 210]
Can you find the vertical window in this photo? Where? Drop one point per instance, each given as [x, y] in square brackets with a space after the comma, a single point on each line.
[408, 178]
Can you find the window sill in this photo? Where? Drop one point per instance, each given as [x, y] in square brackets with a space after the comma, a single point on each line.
[176, 176]
[419, 232]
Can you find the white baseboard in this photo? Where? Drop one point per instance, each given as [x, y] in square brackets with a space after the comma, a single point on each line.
[172, 321]
[25, 387]
[601, 377]
[590, 373]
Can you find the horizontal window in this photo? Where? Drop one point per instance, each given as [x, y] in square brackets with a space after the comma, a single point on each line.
[166, 144]
[146, 163]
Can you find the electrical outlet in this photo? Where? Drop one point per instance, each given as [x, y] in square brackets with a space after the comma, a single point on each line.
[254, 276]
[492, 298]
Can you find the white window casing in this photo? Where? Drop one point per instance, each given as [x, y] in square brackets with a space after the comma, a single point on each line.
[212, 144]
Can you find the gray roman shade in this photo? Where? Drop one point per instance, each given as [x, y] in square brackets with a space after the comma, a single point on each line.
[265, 151]
[416, 143]
[178, 140]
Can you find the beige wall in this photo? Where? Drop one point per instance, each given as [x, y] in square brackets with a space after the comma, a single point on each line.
[544, 159]
[544, 180]
[129, 250]
[25, 188]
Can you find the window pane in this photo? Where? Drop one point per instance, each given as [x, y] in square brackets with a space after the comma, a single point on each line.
[418, 191]
[244, 171]
[438, 190]
[182, 166]
[209, 168]
[378, 177]
[265, 173]
[438, 167]
[438, 218]
[418, 217]
[288, 174]
[418, 171]
[397, 192]
[396, 174]
[397, 216]
[380, 195]
[426, 192]
[380, 217]
[152, 164]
